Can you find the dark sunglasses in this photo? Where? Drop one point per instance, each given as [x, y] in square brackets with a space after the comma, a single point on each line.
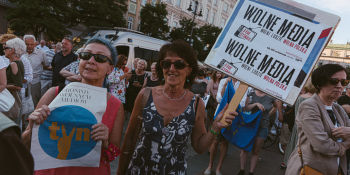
[98, 57]
[335, 81]
[179, 64]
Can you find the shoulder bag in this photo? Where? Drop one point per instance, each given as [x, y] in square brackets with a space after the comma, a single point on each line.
[6, 100]
[306, 169]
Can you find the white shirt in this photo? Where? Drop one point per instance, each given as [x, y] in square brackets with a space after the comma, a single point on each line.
[37, 59]
[44, 49]
[4, 62]
[28, 70]
[235, 86]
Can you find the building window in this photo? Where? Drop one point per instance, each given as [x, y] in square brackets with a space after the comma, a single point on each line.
[143, 2]
[178, 3]
[154, 2]
[225, 7]
[174, 24]
[130, 22]
[223, 22]
[132, 8]
[212, 18]
[215, 2]
[207, 15]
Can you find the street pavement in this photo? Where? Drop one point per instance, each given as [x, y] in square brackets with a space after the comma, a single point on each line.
[268, 164]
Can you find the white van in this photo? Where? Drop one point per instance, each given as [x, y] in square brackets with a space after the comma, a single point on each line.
[133, 44]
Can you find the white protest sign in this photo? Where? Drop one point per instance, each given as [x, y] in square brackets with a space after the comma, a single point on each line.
[272, 45]
[64, 139]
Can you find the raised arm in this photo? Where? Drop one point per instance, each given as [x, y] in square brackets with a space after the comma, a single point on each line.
[131, 134]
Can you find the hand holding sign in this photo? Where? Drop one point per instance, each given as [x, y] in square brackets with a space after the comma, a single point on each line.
[100, 132]
[39, 115]
[227, 118]
[64, 144]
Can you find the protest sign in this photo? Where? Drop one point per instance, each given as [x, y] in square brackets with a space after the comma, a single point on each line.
[272, 45]
[64, 139]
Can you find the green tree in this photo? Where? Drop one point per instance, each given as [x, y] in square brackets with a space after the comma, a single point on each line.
[202, 39]
[153, 20]
[101, 13]
[208, 35]
[184, 32]
[54, 17]
[35, 16]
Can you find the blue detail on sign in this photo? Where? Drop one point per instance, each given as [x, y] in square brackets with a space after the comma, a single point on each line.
[66, 133]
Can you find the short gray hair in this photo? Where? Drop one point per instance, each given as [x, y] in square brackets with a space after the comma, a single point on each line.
[144, 62]
[28, 37]
[17, 44]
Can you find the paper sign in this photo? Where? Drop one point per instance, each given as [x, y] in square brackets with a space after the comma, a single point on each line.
[64, 139]
[272, 45]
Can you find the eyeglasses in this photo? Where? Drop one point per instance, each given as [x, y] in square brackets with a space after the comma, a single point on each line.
[98, 57]
[335, 81]
[179, 64]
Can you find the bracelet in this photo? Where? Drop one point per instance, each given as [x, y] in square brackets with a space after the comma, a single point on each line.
[213, 132]
[111, 152]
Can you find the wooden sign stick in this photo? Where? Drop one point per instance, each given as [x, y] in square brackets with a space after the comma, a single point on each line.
[242, 88]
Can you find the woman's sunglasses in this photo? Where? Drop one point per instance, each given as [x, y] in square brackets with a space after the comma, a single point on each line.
[335, 81]
[98, 57]
[179, 64]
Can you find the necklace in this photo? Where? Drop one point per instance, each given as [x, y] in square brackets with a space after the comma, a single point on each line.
[179, 98]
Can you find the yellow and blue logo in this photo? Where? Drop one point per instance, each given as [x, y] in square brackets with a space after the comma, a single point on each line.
[66, 133]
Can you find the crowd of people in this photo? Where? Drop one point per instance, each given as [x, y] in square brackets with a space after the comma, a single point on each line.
[164, 111]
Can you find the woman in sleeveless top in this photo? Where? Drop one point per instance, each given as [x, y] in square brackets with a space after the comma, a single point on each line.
[14, 49]
[93, 71]
[152, 80]
[135, 84]
[165, 117]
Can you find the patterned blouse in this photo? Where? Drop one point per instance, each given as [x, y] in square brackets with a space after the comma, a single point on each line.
[116, 86]
[161, 149]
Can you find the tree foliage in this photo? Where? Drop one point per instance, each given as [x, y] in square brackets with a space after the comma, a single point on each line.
[202, 39]
[54, 17]
[153, 20]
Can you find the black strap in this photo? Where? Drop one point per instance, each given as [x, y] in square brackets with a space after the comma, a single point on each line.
[332, 116]
[197, 100]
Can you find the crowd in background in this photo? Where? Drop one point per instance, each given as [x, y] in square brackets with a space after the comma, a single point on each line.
[160, 103]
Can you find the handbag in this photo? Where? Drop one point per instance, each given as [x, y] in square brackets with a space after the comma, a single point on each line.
[27, 102]
[306, 169]
[6, 100]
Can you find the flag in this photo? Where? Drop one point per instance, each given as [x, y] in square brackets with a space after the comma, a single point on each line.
[244, 127]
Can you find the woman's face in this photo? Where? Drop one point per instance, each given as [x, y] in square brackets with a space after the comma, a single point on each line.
[140, 65]
[91, 70]
[218, 75]
[173, 76]
[153, 69]
[8, 52]
[333, 92]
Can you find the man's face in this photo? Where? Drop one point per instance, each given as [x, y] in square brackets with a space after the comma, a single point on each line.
[42, 43]
[66, 46]
[30, 45]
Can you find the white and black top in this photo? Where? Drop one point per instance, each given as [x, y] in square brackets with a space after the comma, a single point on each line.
[161, 149]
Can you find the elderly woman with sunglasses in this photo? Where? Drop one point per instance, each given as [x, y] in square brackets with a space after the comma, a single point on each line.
[323, 126]
[14, 49]
[165, 117]
[96, 62]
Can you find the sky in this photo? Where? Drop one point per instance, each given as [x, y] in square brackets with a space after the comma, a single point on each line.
[337, 7]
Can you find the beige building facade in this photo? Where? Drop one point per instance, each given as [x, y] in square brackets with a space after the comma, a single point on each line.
[214, 12]
[336, 53]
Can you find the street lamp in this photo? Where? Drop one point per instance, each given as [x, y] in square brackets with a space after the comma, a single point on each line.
[195, 13]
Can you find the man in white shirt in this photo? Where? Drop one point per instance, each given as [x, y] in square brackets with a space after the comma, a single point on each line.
[38, 61]
[42, 46]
